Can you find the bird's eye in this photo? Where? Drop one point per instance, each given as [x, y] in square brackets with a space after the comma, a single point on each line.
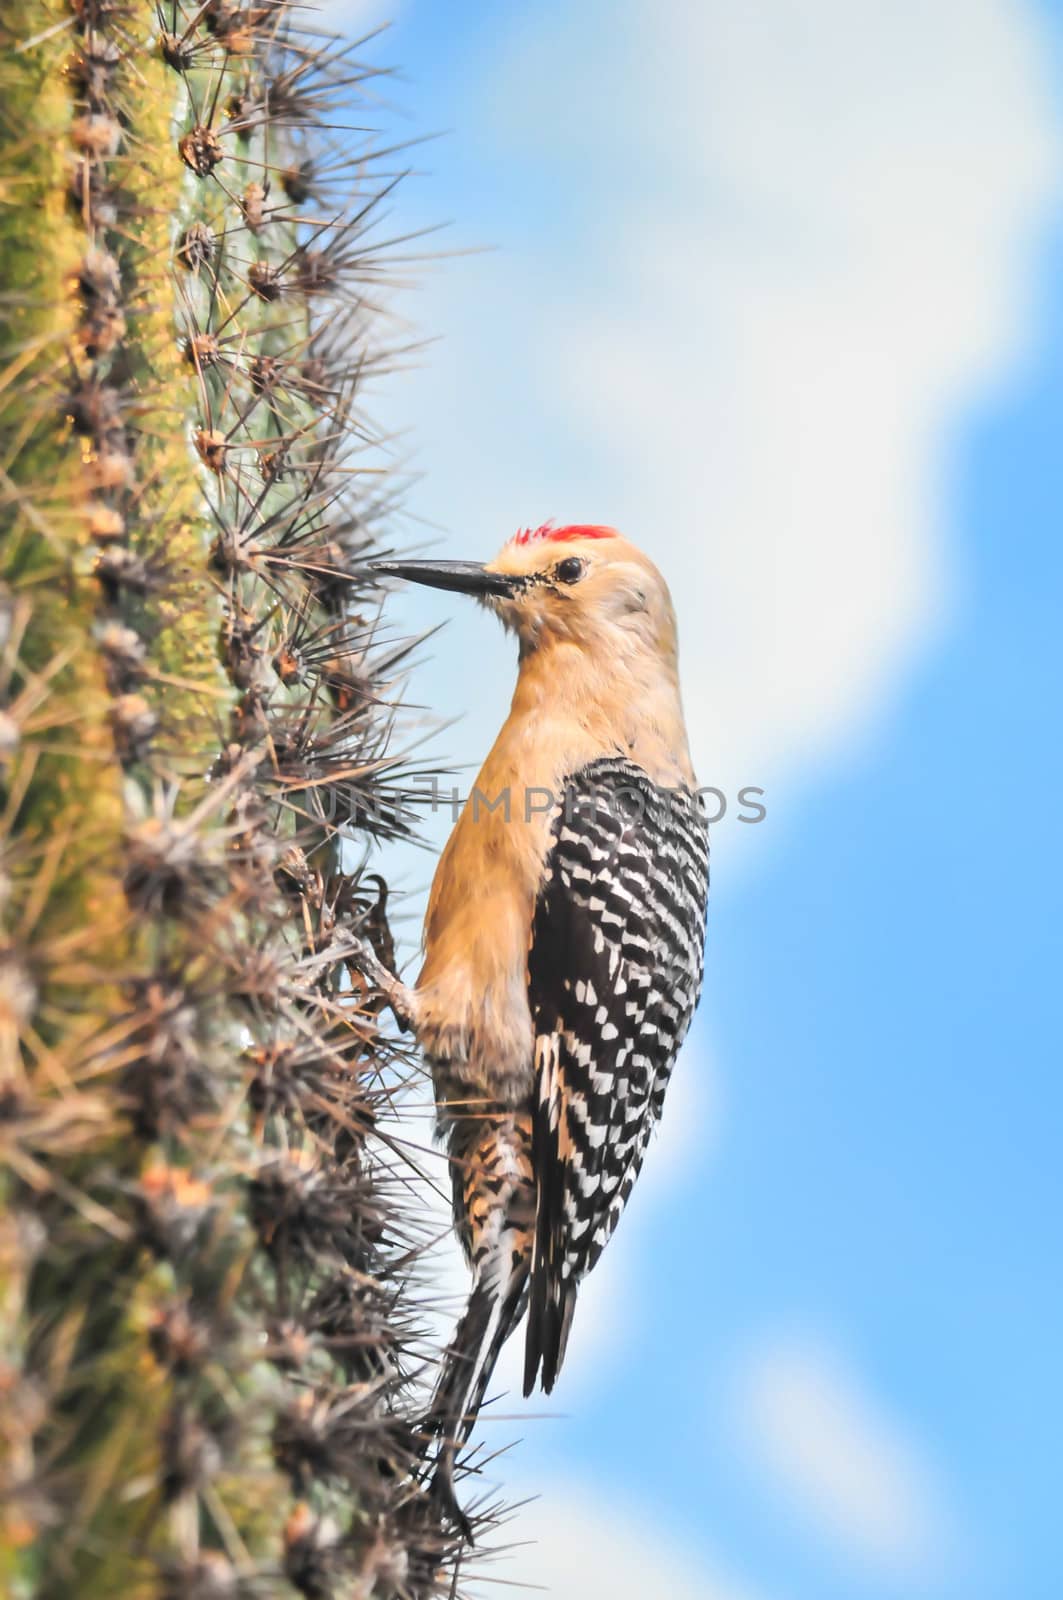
[570, 570]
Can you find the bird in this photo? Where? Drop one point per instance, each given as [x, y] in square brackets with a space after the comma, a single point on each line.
[563, 945]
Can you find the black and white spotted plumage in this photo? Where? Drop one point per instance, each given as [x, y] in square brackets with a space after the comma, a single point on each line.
[614, 974]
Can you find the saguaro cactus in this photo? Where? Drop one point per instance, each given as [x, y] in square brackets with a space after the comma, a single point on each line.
[206, 1253]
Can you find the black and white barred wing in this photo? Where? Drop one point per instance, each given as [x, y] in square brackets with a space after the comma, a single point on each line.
[614, 974]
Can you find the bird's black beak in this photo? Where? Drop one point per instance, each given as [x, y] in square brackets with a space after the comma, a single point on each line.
[464, 577]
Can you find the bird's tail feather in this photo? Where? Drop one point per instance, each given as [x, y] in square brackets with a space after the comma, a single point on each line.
[460, 1362]
[553, 1302]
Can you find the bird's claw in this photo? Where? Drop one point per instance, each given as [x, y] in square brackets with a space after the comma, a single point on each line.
[362, 958]
[442, 1491]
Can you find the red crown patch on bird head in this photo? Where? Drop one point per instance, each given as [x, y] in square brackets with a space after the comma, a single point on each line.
[547, 533]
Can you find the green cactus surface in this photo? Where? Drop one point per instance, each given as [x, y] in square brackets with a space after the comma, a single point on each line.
[210, 1354]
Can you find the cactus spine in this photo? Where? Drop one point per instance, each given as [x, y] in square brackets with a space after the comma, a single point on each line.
[207, 1301]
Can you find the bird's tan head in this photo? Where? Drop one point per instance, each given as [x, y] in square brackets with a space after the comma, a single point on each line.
[580, 584]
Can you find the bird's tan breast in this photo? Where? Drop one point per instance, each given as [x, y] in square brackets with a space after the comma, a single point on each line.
[473, 985]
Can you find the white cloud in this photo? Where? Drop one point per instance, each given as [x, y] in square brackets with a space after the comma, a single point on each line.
[830, 1448]
[580, 1549]
[755, 264]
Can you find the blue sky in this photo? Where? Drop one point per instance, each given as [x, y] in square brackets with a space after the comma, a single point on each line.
[783, 296]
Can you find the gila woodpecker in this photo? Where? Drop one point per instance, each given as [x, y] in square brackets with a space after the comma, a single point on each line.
[563, 943]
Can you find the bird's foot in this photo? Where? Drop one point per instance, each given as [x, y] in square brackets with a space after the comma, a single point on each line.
[401, 1000]
[446, 1499]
